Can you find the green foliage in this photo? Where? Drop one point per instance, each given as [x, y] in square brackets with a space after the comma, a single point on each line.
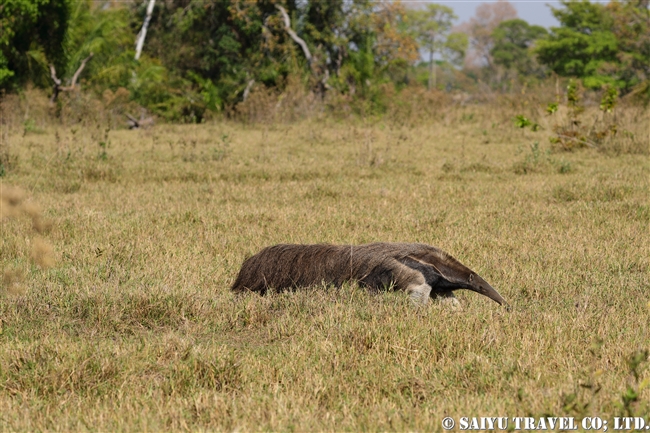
[32, 36]
[360, 69]
[601, 44]
[105, 33]
[216, 47]
[321, 24]
[513, 42]
[203, 56]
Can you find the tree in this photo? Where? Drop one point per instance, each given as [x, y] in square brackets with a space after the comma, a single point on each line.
[393, 40]
[139, 43]
[480, 29]
[322, 23]
[631, 26]
[601, 44]
[32, 37]
[431, 28]
[513, 41]
[217, 46]
[455, 48]
[104, 32]
[225, 46]
[583, 44]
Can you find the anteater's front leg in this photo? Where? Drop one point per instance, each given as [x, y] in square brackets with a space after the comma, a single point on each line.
[448, 298]
[411, 281]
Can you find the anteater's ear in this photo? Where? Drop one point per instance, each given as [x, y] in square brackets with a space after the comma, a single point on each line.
[425, 267]
[471, 277]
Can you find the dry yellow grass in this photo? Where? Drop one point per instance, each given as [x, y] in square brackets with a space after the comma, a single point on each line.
[134, 329]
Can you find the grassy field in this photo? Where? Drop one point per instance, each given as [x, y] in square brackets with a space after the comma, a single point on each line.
[119, 249]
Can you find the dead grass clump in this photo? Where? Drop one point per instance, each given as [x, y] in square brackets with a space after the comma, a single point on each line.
[118, 106]
[11, 199]
[416, 105]
[591, 192]
[13, 205]
[29, 111]
[264, 105]
[47, 371]
[42, 253]
[12, 280]
[8, 160]
[622, 132]
[201, 370]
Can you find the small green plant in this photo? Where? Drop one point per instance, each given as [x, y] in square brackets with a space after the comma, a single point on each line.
[219, 153]
[29, 126]
[532, 160]
[102, 153]
[534, 153]
[552, 108]
[577, 403]
[7, 160]
[467, 117]
[574, 133]
[574, 95]
[608, 102]
[522, 122]
[564, 167]
[630, 397]
[103, 144]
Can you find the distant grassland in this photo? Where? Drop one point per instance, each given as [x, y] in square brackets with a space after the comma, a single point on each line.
[133, 328]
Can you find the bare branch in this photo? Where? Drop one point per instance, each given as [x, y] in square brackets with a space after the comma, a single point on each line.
[143, 122]
[53, 74]
[248, 88]
[57, 88]
[293, 35]
[133, 122]
[586, 142]
[326, 77]
[78, 72]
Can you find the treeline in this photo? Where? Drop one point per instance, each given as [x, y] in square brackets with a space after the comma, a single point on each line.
[210, 55]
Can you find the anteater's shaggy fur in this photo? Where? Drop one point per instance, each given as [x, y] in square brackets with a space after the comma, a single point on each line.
[420, 270]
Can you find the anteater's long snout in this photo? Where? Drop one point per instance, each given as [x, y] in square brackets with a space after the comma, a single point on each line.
[485, 289]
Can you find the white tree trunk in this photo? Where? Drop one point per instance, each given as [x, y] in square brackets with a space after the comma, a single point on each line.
[432, 79]
[297, 39]
[139, 40]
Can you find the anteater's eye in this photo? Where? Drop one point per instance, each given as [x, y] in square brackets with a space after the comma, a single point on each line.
[471, 277]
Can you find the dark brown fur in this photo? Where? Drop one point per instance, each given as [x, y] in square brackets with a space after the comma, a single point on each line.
[419, 269]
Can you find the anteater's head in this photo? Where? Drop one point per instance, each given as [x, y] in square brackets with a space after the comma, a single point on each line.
[474, 282]
[449, 274]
